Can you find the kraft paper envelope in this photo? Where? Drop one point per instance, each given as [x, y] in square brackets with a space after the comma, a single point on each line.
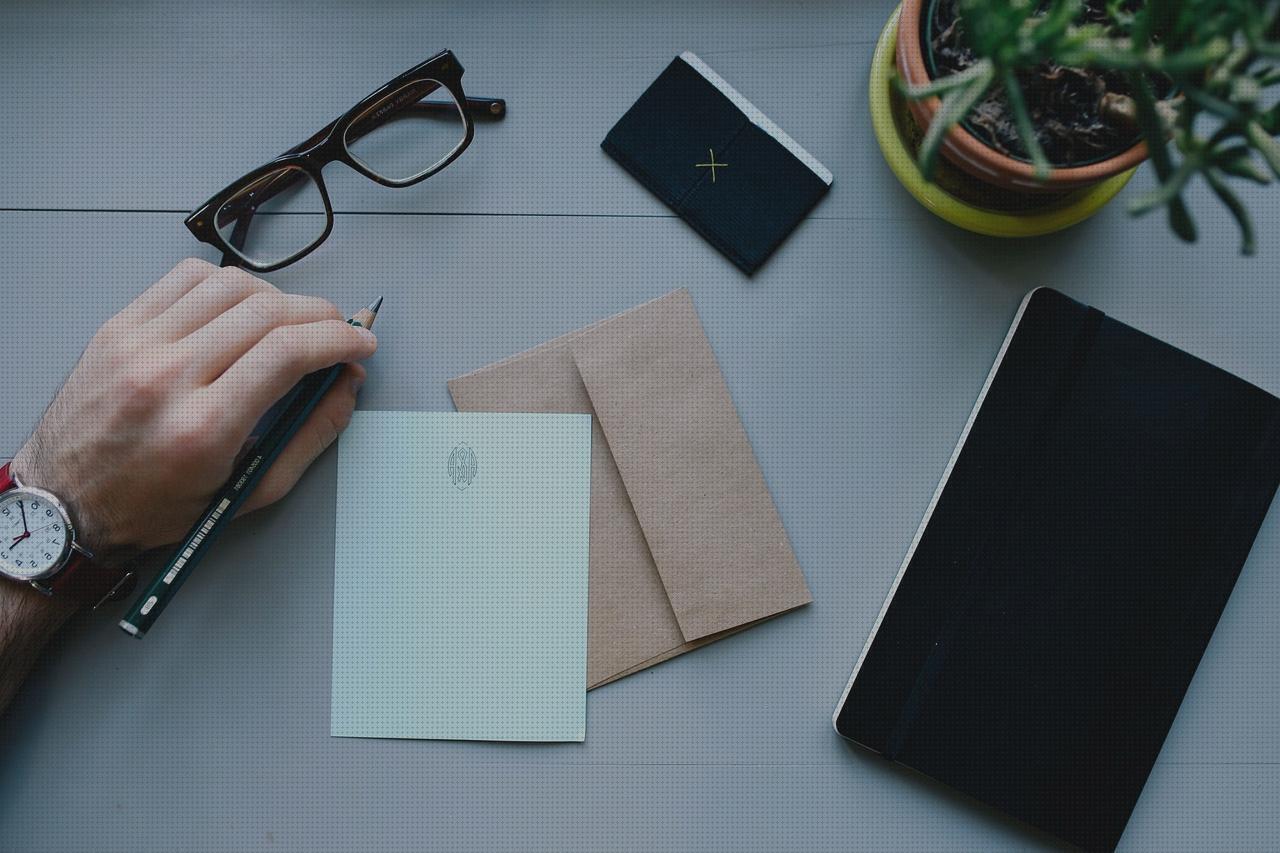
[686, 545]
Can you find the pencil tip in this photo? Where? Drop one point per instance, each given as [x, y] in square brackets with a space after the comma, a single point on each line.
[376, 305]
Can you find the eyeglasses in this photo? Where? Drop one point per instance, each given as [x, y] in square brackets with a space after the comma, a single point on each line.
[401, 134]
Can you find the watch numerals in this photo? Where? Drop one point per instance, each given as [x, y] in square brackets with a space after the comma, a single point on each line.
[31, 544]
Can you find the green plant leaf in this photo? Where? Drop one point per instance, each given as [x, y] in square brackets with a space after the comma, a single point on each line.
[1248, 240]
[1117, 12]
[1100, 53]
[1153, 130]
[943, 85]
[1245, 90]
[1223, 109]
[1167, 191]
[1180, 221]
[1227, 70]
[955, 106]
[1268, 146]
[1026, 130]
[1191, 59]
[1055, 22]
[1239, 163]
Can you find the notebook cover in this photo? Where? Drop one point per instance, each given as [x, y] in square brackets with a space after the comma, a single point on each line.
[1069, 572]
[762, 184]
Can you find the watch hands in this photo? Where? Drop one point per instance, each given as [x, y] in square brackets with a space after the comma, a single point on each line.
[27, 534]
[44, 527]
[26, 531]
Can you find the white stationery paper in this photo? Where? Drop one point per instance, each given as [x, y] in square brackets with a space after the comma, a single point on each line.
[460, 578]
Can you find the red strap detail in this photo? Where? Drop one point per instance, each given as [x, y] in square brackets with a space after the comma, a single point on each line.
[81, 579]
[88, 582]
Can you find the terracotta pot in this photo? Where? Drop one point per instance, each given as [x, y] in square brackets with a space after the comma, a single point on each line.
[974, 156]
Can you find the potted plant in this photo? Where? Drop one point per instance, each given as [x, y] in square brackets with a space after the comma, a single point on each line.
[1019, 117]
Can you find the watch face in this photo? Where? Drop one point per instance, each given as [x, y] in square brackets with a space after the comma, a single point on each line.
[33, 534]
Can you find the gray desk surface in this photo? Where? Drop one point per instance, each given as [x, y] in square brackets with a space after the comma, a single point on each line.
[854, 358]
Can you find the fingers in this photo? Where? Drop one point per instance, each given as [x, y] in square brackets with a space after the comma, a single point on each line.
[219, 292]
[284, 355]
[213, 348]
[329, 418]
[168, 290]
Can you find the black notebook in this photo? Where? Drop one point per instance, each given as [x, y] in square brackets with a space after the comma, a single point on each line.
[1068, 573]
[717, 161]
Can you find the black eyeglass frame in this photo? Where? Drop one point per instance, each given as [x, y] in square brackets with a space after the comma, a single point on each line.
[329, 145]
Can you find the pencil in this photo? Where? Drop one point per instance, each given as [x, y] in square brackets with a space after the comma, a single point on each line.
[291, 412]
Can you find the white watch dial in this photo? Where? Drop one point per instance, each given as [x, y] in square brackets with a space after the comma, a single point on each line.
[33, 534]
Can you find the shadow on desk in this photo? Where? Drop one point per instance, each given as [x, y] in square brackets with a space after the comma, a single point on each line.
[865, 761]
[1017, 264]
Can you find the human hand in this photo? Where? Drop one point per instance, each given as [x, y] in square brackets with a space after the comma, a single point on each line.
[150, 422]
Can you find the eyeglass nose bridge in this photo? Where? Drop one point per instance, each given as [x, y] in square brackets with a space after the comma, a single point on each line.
[315, 160]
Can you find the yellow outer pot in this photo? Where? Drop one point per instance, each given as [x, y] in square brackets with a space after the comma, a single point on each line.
[1063, 214]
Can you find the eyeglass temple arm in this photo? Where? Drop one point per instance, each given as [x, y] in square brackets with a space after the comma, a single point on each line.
[491, 107]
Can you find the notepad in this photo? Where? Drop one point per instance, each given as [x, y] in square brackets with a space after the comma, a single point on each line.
[460, 577]
[1069, 572]
[717, 161]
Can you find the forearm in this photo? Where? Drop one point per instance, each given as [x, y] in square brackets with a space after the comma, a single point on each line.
[27, 621]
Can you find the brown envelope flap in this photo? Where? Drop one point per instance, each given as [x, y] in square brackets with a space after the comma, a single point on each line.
[689, 470]
[629, 615]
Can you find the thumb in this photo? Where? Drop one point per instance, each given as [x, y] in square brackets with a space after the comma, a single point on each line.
[330, 417]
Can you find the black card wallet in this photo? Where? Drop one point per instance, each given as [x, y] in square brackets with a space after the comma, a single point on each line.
[1069, 572]
[717, 161]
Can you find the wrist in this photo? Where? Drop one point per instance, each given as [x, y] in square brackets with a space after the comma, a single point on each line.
[34, 467]
[32, 612]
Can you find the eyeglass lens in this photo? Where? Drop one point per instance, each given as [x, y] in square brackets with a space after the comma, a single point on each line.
[277, 216]
[409, 133]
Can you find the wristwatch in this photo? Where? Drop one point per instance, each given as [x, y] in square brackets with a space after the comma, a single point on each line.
[38, 546]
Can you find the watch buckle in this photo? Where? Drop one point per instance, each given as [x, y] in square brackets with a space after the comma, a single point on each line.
[120, 587]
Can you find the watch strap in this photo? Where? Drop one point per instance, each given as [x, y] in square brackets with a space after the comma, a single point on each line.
[89, 582]
[80, 578]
